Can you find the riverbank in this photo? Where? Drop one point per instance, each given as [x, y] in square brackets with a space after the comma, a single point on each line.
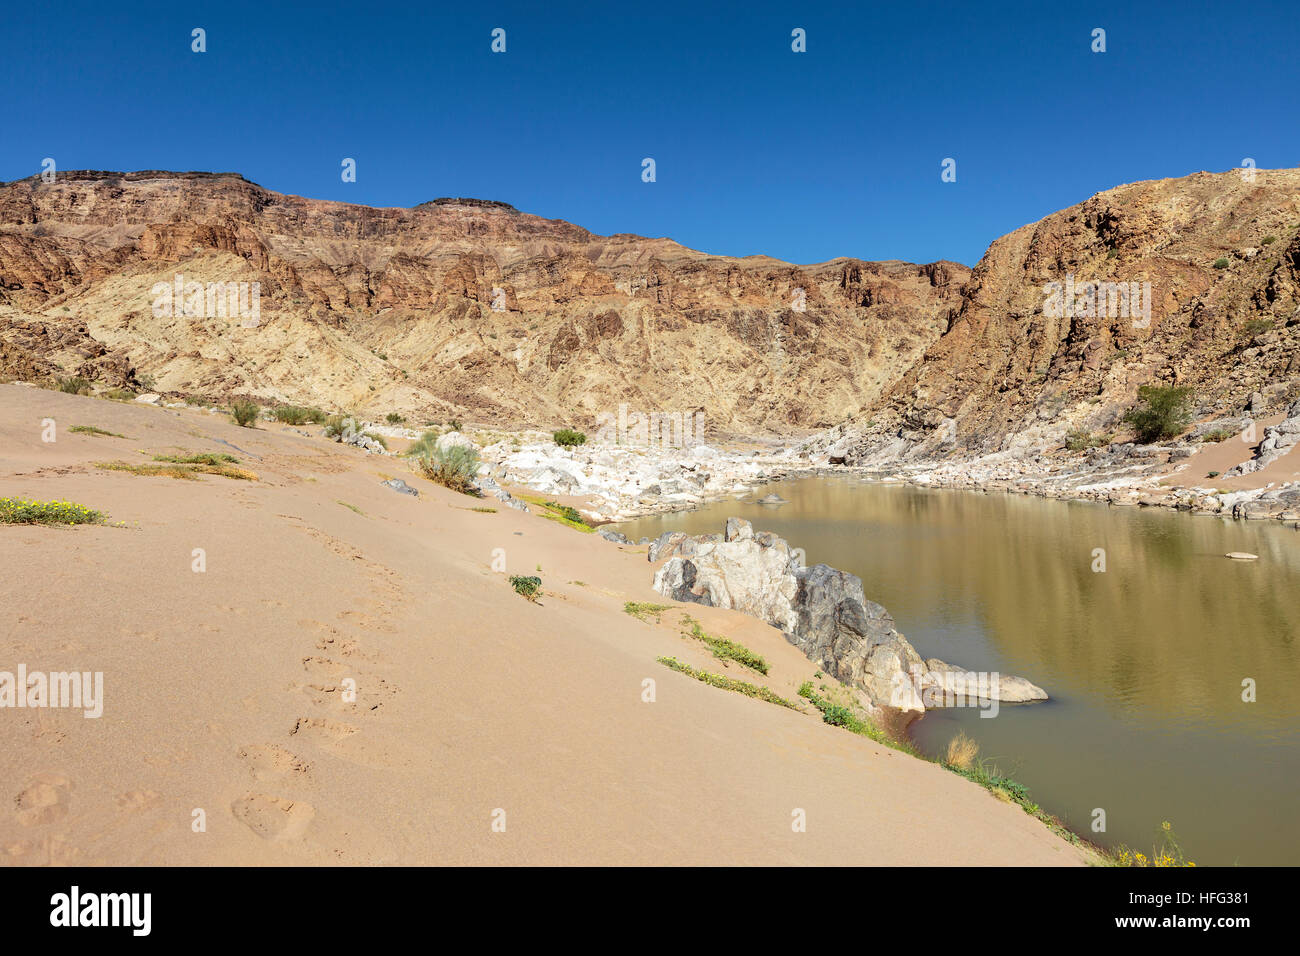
[309, 667]
[1131, 619]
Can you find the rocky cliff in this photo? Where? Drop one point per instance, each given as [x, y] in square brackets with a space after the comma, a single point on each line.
[454, 307]
[1192, 281]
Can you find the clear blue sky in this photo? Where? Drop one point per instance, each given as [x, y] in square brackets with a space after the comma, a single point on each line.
[835, 151]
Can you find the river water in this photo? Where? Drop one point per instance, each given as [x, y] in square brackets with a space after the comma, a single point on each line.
[1144, 661]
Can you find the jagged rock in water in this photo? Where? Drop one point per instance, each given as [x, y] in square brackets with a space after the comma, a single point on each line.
[821, 610]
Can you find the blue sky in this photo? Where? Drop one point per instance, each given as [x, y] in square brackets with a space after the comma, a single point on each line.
[836, 151]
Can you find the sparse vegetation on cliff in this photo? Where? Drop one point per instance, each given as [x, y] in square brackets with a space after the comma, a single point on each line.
[1162, 412]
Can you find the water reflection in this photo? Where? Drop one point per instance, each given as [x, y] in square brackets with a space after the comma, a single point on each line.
[1145, 661]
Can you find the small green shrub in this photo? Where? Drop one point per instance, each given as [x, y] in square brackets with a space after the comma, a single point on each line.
[1212, 474]
[92, 430]
[1256, 327]
[454, 467]
[1269, 240]
[245, 413]
[1163, 411]
[529, 587]
[298, 415]
[423, 445]
[726, 683]
[568, 438]
[26, 511]
[641, 609]
[338, 426]
[562, 514]
[74, 386]
[568, 512]
[1217, 435]
[119, 395]
[724, 649]
[395, 419]
[454, 424]
[1081, 440]
[1220, 263]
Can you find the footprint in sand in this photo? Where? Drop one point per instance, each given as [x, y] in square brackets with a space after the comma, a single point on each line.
[325, 731]
[323, 667]
[134, 801]
[371, 694]
[273, 818]
[333, 640]
[44, 800]
[365, 622]
[268, 760]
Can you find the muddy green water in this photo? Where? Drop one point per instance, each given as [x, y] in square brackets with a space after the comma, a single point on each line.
[1144, 662]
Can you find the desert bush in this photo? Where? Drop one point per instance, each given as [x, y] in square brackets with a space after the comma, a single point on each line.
[1269, 240]
[567, 512]
[339, 426]
[395, 419]
[1221, 263]
[961, 752]
[76, 385]
[424, 444]
[298, 415]
[1217, 435]
[1081, 440]
[1256, 327]
[568, 438]
[530, 587]
[245, 413]
[27, 511]
[1162, 412]
[454, 467]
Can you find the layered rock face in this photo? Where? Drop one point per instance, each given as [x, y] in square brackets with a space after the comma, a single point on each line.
[823, 612]
[454, 307]
[1016, 369]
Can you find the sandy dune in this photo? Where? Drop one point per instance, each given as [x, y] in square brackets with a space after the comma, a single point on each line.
[224, 690]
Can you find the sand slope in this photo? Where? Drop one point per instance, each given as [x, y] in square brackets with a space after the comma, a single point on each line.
[224, 688]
